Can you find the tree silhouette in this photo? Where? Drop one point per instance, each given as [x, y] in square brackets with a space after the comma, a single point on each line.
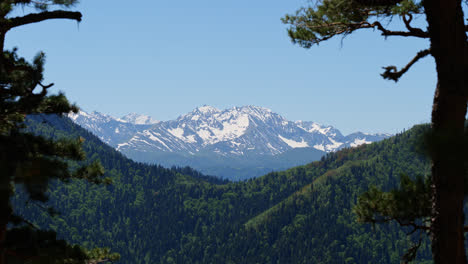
[446, 32]
[28, 161]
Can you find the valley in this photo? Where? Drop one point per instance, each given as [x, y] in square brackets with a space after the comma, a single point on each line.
[151, 214]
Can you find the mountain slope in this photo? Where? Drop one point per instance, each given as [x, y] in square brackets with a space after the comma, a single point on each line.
[240, 131]
[315, 223]
[237, 143]
[138, 119]
[302, 215]
[109, 129]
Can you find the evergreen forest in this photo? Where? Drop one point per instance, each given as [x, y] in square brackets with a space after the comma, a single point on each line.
[66, 197]
[150, 214]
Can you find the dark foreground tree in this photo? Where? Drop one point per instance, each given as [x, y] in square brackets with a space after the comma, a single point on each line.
[446, 33]
[29, 162]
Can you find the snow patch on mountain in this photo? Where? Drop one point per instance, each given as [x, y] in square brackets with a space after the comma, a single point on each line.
[359, 141]
[334, 144]
[235, 131]
[138, 119]
[206, 109]
[294, 144]
[319, 147]
[153, 137]
[111, 130]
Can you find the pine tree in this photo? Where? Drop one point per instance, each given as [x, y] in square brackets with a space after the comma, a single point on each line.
[446, 32]
[27, 161]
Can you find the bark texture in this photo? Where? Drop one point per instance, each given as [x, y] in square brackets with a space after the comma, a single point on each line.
[5, 214]
[448, 47]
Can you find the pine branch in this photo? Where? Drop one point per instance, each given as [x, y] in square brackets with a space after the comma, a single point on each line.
[411, 33]
[407, 22]
[378, 2]
[391, 72]
[98, 261]
[20, 219]
[45, 87]
[347, 28]
[402, 223]
[413, 225]
[410, 254]
[30, 2]
[15, 2]
[39, 17]
[38, 2]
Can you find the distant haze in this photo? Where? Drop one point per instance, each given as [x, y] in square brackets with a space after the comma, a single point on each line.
[236, 143]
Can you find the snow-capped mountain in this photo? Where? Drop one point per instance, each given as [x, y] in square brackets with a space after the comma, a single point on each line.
[208, 135]
[234, 131]
[138, 119]
[240, 131]
[109, 129]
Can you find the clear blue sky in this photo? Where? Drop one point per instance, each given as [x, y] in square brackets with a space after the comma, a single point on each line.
[164, 58]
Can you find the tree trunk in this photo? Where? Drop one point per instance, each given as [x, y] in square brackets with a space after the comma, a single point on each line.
[448, 179]
[4, 178]
[3, 229]
[5, 213]
[448, 47]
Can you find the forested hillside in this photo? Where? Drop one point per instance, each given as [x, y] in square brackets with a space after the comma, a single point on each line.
[303, 215]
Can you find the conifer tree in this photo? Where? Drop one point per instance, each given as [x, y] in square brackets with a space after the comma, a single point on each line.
[28, 161]
[446, 33]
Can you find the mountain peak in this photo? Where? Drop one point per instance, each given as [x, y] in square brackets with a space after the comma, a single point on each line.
[206, 109]
[255, 108]
[234, 131]
[95, 116]
[138, 119]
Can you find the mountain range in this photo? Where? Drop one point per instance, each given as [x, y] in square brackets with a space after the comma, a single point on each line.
[236, 143]
[150, 214]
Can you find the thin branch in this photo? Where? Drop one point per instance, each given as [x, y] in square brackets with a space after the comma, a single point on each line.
[46, 86]
[49, 210]
[402, 223]
[97, 261]
[409, 27]
[15, 2]
[408, 20]
[385, 32]
[378, 2]
[391, 72]
[410, 254]
[346, 28]
[21, 219]
[31, 2]
[413, 225]
[39, 17]
[44, 89]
